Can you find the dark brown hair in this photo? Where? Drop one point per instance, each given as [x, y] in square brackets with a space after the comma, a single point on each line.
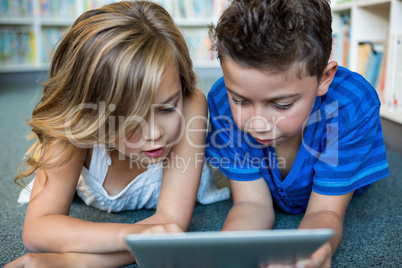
[275, 35]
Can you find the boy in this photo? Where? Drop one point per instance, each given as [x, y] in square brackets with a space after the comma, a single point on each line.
[289, 127]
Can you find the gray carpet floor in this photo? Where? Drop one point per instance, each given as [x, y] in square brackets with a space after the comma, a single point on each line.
[373, 223]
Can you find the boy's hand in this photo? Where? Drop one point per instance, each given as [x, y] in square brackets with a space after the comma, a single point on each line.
[321, 258]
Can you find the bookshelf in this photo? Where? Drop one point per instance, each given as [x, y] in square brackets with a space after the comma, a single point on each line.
[357, 23]
[30, 29]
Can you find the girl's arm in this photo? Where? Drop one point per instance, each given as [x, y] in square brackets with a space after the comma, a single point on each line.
[182, 175]
[60, 260]
[47, 226]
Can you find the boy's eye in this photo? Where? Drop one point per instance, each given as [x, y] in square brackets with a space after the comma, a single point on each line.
[283, 106]
[239, 102]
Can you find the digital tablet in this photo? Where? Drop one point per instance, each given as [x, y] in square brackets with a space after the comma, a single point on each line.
[241, 249]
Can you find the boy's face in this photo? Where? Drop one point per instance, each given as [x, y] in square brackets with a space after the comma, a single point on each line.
[272, 108]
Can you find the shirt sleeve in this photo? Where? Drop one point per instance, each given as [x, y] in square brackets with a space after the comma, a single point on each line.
[354, 156]
[224, 146]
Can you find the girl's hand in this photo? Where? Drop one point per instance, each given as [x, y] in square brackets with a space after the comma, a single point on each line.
[321, 258]
[163, 228]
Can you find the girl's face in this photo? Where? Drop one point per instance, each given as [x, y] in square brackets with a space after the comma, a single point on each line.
[162, 129]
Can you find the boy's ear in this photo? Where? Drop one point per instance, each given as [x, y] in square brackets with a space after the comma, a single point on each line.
[327, 78]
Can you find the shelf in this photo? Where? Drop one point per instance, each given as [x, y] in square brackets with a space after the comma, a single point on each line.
[343, 7]
[51, 18]
[23, 67]
[371, 21]
[16, 21]
[184, 22]
[206, 64]
[347, 6]
[56, 22]
[391, 114]
[372, 3]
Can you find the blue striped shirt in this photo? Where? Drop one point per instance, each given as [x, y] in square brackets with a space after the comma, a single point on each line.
[342, 148]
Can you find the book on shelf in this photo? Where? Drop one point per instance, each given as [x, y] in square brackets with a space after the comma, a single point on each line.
[94, 4]
[16, 8]
[393, 84]
[341, 41]
[369, 61]
[34, 44]
[199, 44]
[17, 45]
[380, 86]
[51, 37]
[374, 62]
[363, 50]
[199, 8]
[57, 8]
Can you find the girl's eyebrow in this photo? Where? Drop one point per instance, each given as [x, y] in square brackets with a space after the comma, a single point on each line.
[174, 95]
[285, 96]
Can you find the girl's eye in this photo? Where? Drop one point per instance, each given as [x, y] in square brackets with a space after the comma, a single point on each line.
[283, 106]
[169, 109]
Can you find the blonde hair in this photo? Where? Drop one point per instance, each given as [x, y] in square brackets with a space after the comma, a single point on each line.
[108, 65]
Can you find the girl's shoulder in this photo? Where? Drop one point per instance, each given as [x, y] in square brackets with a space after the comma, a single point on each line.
[195, 104]
[57, 152]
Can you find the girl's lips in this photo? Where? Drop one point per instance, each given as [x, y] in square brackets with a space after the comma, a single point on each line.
[155, 153]
[266, 142]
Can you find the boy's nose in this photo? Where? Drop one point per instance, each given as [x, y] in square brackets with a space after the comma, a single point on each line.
[259, 124]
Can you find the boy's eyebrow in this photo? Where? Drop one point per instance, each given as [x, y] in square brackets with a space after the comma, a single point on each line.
[285, 96]
[174, 95]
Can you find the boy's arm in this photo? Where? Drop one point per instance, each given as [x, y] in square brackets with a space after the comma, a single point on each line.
[325, 211]
[252, 206]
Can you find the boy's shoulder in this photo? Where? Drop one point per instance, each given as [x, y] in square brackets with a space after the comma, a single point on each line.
[349, 87]
[218, 102]
[217, 88]
[350, 95]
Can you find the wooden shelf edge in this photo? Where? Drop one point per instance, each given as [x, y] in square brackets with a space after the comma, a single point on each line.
[19, 68]
[342, 7]
[196, 22]
[347, 6]
[392, 115]
[370, 3]
[16, 21]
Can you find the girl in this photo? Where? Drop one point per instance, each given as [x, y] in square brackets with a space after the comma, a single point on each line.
[120, 123]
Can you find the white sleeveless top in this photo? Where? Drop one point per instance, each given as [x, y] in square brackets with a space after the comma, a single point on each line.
[142, 192]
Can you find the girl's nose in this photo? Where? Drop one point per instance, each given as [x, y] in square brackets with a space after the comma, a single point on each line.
[153, 132]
